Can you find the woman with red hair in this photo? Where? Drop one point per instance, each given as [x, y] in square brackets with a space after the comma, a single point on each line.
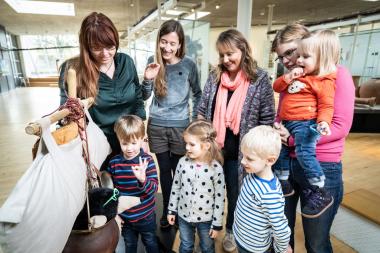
[103, 73]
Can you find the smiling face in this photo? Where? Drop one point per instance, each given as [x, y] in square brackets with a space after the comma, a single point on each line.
[230, 57]
[131, 148]
[169, 45]
[103, 55]
[195, 148]
[286, 53]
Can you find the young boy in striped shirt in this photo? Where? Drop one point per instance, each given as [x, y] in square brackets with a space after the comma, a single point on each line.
[134, 173]
[260, 222]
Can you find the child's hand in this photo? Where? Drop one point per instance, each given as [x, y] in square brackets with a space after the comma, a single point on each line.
[324, 128]
[293, 74]
[289, 249]
[213, 233]
[119, 222]
[151, 71]
[140, 170]
[171, 219]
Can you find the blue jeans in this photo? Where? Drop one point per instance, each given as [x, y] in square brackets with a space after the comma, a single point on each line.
[146, 228]
[316, 230]
[231, 175]
[305, 137]
[187, 232]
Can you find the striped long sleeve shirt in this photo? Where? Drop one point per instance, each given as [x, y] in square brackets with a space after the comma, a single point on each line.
[259, 216]
[126, 182]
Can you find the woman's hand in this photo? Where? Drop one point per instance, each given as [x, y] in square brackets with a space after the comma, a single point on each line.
[284, 133]
[289, 249]
[171, 219]
[140, 170]
[151, 71]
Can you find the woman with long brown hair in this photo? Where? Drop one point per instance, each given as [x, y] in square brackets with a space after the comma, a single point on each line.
[103, 73]
[172, 79]
[237, 97]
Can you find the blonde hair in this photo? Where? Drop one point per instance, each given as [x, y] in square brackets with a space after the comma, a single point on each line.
[289, 34]
[129, 128]
[205, 132]
[234, 38]
[326, 47]
[160, 85]
[264, 141]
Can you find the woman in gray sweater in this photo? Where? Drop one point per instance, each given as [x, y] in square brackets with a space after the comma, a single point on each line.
[173, 79]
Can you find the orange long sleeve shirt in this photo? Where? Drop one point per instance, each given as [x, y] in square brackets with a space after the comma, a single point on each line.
[312, 97]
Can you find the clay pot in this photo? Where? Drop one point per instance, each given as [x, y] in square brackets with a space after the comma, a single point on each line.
[99, 240]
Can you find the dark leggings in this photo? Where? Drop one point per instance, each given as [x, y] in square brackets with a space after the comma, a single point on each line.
[167, 162]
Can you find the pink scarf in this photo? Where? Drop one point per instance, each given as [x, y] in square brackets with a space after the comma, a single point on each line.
[229, 116]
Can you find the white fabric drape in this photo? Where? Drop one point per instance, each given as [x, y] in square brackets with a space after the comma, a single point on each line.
[39, 213]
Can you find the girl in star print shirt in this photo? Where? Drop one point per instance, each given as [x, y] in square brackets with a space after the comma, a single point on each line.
[197, 194]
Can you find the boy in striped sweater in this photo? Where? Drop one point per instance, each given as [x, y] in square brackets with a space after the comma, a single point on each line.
[260, 222]
[134, 173]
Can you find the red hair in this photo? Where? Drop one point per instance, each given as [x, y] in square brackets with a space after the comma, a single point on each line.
[97, 31]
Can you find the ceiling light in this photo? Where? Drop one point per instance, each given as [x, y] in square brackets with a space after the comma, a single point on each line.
[199, 14]
[174, 12]
[131, 5]
[192, 10]
[40, 7]
[217, 6]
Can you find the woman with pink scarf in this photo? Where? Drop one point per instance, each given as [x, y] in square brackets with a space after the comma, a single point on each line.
[237, 97]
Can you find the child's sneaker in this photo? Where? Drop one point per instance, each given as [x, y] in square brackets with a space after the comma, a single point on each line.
[318, 200]
[287, 188]
[229, 244]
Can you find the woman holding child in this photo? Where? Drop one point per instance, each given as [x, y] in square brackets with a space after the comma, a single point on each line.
[329, 148]
[237, 97]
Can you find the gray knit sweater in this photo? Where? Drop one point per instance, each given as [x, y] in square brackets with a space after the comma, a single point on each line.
[173, 110]
[258, 108]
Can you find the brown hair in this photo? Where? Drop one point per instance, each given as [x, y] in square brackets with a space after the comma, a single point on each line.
[234, 38]
[169, 26]
[97, 31]
[288, 34]
[129, 128]
[204, 130]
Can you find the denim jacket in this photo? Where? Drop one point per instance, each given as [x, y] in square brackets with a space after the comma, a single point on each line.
[258, 108]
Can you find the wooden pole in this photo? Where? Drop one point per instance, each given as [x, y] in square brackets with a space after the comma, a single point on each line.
[34, 128]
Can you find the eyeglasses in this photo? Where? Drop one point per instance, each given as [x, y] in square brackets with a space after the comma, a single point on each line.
[288, 55]
[98, 50]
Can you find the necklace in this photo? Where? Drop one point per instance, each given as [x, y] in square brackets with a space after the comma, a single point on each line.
[108, 68]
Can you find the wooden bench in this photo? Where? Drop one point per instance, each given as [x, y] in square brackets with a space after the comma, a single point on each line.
[51, 81]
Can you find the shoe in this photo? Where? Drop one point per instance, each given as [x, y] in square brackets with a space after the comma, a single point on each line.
[287, 188]
[229, 243]
[164, 222]
[318, 200]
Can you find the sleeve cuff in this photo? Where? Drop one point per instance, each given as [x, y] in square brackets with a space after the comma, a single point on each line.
[217, 228]
[172, 212]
